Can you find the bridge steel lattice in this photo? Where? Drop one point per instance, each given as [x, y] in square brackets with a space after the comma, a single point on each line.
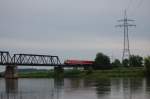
[35, 60]
[11, 62]
[5, 58]
[28, 59]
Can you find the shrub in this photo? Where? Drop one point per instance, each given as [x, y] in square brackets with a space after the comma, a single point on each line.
[102, 59]
[147, 64]
[116, 63]
[136, 61]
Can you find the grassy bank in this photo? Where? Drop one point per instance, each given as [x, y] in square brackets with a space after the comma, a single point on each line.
[117, 72]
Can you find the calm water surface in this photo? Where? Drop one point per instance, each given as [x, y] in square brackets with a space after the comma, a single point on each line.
[114, 88]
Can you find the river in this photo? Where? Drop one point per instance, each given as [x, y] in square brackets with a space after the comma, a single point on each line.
[112, 88]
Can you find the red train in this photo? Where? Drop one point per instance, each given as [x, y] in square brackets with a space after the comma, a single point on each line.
[78, 62]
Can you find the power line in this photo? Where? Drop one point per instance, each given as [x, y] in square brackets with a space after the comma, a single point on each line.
[129, 4]
[135, 9]
[126, 25]
[140, 3]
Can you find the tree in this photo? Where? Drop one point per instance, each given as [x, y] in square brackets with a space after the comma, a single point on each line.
[116, 62]
[125, 62]
[147, 64]
[102, 59]
[147, 61]
[135, 61]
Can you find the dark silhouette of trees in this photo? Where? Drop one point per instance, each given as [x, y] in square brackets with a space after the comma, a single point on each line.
[102, 60]
[116, 63]
[125, 62]
[135, 61]
[147, 64]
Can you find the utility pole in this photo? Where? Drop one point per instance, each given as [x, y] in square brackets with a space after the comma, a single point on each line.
[126, 25]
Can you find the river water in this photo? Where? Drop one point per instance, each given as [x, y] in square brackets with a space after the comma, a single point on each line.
[113, 88]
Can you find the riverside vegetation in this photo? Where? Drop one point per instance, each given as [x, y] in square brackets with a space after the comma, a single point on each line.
[135, 66]
[93, 74]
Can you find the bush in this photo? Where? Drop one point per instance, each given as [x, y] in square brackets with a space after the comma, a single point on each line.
[72, 73]
[102, 60]
[125, 62]
[116, 63]
[147, 64]
[136, 61]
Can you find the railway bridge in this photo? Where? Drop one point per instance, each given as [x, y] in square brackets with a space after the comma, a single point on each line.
[12, 61]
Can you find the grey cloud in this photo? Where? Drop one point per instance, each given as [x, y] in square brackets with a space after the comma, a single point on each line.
[39, 23]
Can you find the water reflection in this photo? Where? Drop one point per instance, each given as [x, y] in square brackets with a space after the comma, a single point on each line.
[115, 88]
[103, 87]
[133, 87]
[11, 85]
[147, 86]
[58, 86]
[74, 83]
[11, 89]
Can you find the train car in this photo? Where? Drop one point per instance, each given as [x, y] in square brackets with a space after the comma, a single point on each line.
[78, 62]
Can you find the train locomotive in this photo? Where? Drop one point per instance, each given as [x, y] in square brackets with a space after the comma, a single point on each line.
[78, 62]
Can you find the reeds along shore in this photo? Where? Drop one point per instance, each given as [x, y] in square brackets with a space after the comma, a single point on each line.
[76, 73]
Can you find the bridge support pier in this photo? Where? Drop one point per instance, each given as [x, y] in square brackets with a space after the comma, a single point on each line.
[58, 69]
[10, 72]
[11, 86]
[88, 69]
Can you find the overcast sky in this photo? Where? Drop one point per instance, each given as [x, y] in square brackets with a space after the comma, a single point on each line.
[74, 29]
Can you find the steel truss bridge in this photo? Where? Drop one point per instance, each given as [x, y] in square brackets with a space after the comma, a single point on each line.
[28, 59]
[12, 61]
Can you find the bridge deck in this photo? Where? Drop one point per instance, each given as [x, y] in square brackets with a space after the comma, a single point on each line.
[33, 60]
[28, 59]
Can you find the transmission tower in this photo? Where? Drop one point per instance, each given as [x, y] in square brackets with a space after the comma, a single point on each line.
[126, 25]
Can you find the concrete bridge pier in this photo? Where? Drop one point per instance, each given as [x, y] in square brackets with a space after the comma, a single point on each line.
[58, 69]
[10, 72]
[88, 69]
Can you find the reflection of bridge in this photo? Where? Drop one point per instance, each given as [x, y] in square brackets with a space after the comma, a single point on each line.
[11, 89]
[12, 61]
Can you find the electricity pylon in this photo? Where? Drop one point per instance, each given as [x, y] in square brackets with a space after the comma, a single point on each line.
[126, 48]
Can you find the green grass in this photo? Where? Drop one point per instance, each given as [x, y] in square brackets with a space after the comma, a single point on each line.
[117, 72]
[36, 74]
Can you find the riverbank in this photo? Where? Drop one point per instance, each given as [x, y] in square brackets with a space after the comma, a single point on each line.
[93, 74]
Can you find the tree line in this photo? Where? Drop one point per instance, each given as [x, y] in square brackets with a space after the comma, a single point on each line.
[133, 61]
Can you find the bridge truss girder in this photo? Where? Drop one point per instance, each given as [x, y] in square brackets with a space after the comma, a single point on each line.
[5, 57]
[28, 59]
